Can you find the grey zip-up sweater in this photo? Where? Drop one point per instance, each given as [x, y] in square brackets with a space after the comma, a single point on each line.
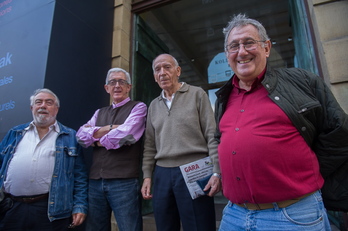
[181, 134]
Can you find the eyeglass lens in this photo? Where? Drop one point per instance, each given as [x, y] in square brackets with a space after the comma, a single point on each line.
[113, 82]
[248, 45]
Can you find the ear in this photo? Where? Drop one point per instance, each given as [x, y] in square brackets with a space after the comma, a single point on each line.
[129, 87]
[268, 46]
[178, 70]
[106, 87]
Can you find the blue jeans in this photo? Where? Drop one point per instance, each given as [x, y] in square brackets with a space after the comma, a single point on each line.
[118, 195]
[308, 214]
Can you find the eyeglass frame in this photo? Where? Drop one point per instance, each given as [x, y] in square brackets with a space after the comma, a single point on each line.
[244, 44]
[120, 82]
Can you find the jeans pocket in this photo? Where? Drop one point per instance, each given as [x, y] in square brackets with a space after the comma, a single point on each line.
[307, 211]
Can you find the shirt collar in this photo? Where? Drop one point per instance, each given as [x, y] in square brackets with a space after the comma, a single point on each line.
[123, 102]
[162, 93]
[54, 127]
[258, 80]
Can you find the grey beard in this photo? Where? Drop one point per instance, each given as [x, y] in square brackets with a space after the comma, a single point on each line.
[44, 119]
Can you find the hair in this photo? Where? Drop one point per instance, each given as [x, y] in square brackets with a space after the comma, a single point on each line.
[174, 59]
[241, 20]
[43, 90]
[116, 69]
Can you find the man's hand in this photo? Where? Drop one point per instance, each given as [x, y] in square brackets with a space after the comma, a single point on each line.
[77, 219]
[104, 130]
[146, 189]
[97, 144]
[214, 184]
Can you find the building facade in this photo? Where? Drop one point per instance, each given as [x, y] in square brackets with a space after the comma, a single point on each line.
[315, 30]
[68, 46]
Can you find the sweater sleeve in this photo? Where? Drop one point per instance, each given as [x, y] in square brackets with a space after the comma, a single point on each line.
[149, 148]
[208, 126]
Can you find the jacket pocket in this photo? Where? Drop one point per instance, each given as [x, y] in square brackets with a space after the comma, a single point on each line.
[70, 151]
[7, 150]
[309, 107]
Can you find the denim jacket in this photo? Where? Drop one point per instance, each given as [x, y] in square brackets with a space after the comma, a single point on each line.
[69, 185]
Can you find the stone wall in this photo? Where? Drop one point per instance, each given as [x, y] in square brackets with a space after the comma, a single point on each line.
[330, 26]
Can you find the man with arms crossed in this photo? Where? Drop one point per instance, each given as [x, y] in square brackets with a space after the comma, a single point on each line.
[115, 132]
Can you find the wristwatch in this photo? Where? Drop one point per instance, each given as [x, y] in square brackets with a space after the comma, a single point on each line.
[217, 175]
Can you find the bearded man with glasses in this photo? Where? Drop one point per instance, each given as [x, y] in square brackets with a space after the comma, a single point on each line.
[281, 133]
[115, 134]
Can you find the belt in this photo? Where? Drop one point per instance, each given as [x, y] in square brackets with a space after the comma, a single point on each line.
[30, 199]
[281, 204]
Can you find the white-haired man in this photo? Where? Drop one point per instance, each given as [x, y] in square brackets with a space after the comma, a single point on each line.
[115, 133]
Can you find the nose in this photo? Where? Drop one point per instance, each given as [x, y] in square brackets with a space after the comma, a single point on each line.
[161, 71]
[43, 104]
[241, 49]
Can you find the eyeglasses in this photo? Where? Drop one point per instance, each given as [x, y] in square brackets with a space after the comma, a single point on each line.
[249, 45]
[120, 82]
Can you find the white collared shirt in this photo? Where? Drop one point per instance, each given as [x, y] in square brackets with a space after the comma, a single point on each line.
[166, 100]
[31, 168]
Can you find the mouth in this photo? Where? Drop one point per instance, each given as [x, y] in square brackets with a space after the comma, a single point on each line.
[42, 112]
[245, 61]
[163, 80]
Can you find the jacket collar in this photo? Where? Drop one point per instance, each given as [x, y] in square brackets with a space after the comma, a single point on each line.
[269, 82]
[60, 127]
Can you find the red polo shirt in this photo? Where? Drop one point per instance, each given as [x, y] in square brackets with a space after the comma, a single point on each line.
[263, 157]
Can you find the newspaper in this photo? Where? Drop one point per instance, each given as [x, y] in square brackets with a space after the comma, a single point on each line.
[194, 171]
